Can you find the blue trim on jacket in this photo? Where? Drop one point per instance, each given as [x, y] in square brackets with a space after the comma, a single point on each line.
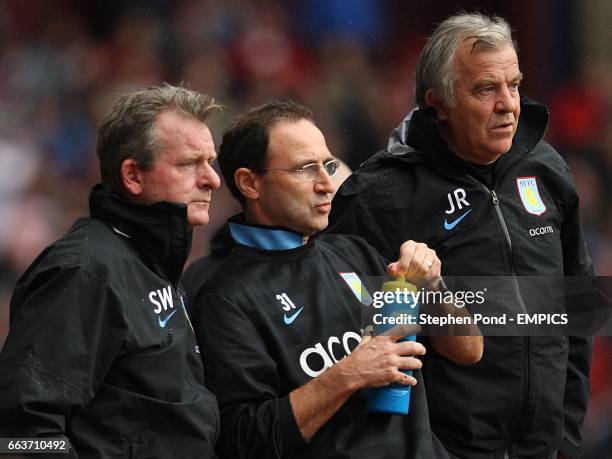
[267, 238]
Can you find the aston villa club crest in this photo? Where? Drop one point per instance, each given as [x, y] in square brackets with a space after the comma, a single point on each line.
[530, 195]
[357, 287]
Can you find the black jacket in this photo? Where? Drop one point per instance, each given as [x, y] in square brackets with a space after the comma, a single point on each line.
[528, 395]
[100, 348]
[202, 269]
[268, 321]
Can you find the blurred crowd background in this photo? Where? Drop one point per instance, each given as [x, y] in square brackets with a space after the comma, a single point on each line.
[63, 63]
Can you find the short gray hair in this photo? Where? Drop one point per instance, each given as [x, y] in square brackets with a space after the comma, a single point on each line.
[435, 69]
[130, 130]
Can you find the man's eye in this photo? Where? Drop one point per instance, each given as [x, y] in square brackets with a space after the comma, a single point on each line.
[212, 161]
[487, 90]
[515, 86]
[187, 165]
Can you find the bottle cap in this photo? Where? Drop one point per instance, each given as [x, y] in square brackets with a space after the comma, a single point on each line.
[399, 283]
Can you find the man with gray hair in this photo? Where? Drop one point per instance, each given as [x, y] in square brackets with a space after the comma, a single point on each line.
[469, 174]
[100, 349]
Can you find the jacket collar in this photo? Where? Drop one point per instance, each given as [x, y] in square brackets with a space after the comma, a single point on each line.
[418, 140]
[222, 242]
[159, 231]
[263, 237]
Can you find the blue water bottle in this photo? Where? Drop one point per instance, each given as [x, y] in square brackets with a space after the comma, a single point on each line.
[395, 398]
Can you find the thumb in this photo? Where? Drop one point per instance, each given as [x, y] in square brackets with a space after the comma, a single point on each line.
[393, 269]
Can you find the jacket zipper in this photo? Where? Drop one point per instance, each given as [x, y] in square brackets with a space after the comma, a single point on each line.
[180, 291]
[500, 217]
[519, 297]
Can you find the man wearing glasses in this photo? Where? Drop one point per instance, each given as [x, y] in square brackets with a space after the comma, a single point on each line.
[278, 323]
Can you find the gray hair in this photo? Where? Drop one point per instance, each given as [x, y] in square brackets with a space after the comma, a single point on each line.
[435, 69]
[130, 129]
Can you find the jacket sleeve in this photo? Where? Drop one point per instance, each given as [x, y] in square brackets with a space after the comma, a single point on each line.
[60, 345]
[359, 209]
[576, 262]
[256, 416]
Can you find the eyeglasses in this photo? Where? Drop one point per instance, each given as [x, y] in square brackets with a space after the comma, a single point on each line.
[310, 171]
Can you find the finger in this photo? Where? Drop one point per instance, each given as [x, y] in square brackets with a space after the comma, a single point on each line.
[410, 363]
[433, 282]
[386, 339]
[425, 267]
[406, 380]
[412, 266]
[393, 269]
[410, 348]
[407, 251]
[431, 267]
[436, 268]
[423, 260]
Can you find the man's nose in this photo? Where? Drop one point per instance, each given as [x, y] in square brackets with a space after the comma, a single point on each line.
[208, 177]
[323, 182]
[507, 100]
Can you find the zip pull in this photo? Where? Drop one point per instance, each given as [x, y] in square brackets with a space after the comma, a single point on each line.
[183, 296]
[494, 196]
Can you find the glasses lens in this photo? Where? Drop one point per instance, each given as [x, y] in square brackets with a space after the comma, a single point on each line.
[311, 171]
[331, 167]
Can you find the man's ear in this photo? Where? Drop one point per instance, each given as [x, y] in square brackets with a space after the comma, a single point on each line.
[131, 177]
[432, 100]
[247, 182]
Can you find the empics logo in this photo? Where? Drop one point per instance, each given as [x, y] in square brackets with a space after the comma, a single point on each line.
[457, 201]
[162, 299]
[288, 306]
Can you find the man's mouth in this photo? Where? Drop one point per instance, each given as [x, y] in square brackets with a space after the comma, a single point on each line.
[503, 127]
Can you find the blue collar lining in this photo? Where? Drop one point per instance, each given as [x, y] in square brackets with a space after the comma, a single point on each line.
[265, 238]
